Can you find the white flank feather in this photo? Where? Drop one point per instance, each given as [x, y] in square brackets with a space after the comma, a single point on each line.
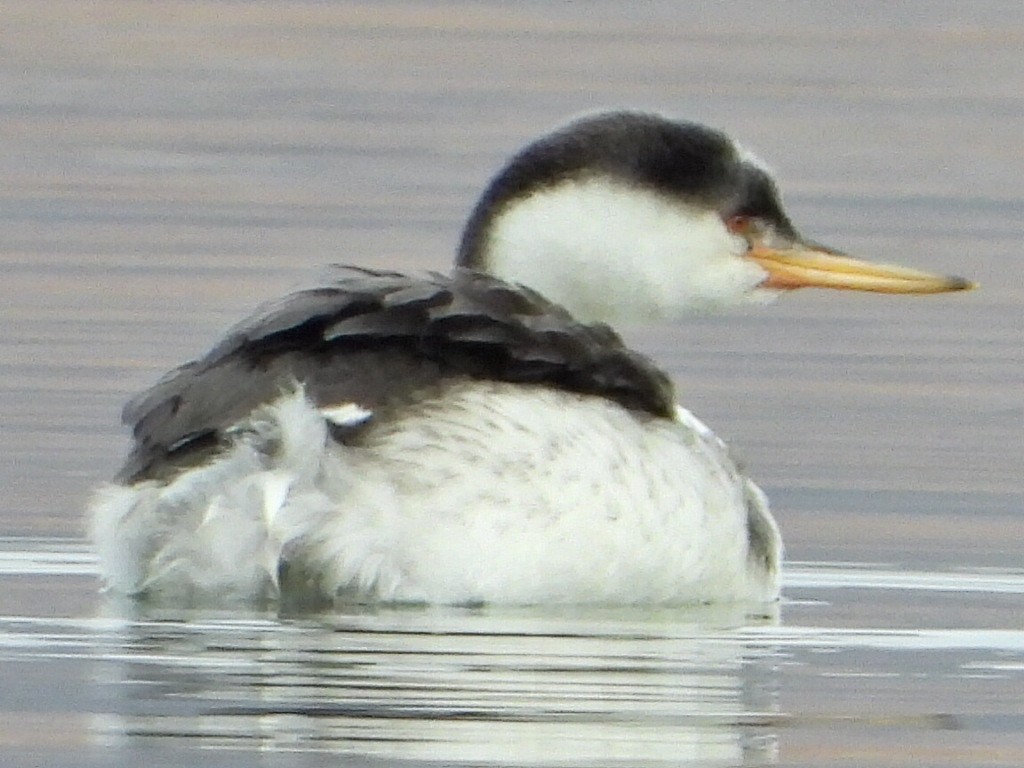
[491, 492]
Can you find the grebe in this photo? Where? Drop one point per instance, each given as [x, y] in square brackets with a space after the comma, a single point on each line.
[470, 437]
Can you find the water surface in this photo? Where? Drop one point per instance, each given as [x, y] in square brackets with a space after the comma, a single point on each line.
[167, 166]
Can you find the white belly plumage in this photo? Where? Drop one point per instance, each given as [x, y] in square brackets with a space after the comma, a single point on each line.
[489, 492]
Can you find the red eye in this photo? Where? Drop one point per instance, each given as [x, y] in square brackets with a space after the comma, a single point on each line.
[738, 225]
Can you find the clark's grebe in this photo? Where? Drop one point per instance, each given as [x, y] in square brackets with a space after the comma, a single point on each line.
[467, 437]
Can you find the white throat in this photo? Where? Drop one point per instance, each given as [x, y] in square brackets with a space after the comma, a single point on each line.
[609, 251]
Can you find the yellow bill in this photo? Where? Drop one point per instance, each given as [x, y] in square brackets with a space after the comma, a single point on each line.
[812, 266]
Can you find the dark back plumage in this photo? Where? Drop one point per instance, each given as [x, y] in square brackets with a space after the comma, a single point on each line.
[381, 340]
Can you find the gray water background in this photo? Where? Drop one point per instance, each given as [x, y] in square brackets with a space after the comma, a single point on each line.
[167, 166]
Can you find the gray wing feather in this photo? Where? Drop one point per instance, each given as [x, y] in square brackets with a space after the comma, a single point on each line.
[378, 339]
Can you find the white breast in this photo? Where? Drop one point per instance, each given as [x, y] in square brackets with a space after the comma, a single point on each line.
[491, 492]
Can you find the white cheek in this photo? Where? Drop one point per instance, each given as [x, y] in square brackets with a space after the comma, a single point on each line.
[609, 251]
